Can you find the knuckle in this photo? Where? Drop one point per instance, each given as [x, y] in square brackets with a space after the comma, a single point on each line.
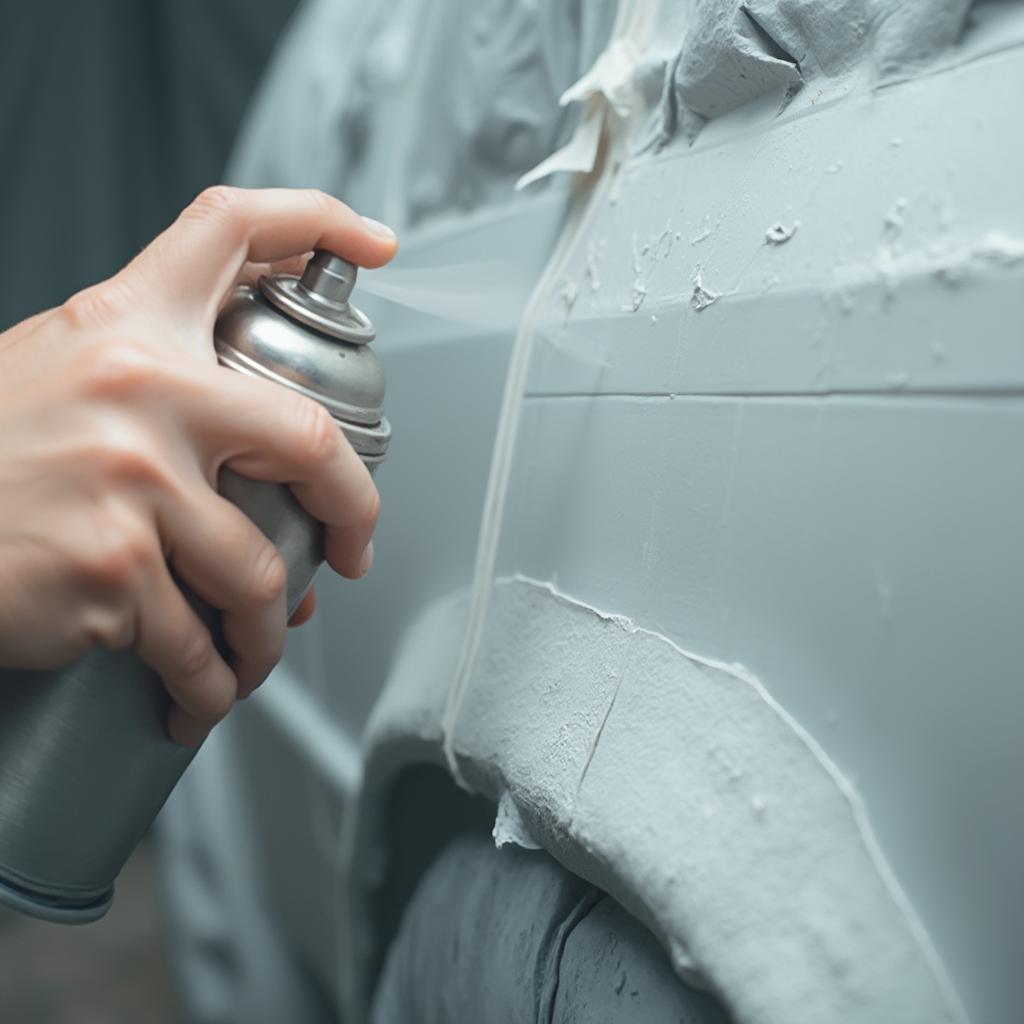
[217, 202]
[133, 465]
[116, 368]
[98, 304]
[107, 628]
[320, 433]
[322, 200]
[270, 576]
[120, 557]
[124, 564]
[123, 459]
[196, 656]
[129, 561]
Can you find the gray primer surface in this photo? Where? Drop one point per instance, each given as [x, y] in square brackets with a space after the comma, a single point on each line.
[718, 69]
[712, 56]
[907, 243]
[744, 867]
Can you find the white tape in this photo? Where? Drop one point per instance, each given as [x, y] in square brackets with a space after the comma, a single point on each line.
[613, 106]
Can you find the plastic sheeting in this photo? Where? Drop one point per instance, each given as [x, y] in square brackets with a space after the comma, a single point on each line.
[413, 110]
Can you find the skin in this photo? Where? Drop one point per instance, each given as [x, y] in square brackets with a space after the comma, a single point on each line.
[114, 422]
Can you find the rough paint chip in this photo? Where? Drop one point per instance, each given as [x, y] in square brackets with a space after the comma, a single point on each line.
[779, 234]
[702, 297]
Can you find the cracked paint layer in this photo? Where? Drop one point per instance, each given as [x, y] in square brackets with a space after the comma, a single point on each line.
[679, 786]
[717, 55]
[820, 39]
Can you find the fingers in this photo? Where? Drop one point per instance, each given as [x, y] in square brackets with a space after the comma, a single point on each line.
[252, 272]
[171, 639]
[265, 432]
[185, 730]
[225, 559]
[19, 330]
[197, 259]
[305, 611]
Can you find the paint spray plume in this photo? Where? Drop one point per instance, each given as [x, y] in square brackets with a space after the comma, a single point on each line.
[490, 294]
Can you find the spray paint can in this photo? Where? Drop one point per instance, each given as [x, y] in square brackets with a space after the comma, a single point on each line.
[85, 760]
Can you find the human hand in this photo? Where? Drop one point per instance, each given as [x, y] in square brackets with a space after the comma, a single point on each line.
[114, 422]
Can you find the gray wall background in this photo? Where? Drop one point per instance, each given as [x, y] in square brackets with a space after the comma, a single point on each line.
[113, 114]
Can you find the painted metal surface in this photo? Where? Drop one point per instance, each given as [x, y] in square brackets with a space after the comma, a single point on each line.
[819, 475]
[773, 418]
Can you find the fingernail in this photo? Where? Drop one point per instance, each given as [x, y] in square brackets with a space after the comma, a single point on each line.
[367, 560]
[380, 230]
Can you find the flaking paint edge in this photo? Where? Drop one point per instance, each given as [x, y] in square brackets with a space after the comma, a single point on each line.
[498, 751]
[684, 962]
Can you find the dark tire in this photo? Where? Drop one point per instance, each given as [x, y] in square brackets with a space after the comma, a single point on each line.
[501, 936]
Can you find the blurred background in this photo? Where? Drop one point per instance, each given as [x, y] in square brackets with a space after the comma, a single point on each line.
[113, 115]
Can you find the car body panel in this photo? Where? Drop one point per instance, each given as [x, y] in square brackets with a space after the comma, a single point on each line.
[792, 457]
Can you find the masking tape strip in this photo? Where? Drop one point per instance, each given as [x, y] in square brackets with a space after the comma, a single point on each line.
[612, 103]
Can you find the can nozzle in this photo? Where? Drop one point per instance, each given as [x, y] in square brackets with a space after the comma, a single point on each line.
[328, 278]
[319, 299]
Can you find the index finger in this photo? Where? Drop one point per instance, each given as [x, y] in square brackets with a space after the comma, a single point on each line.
[266, 432]
[197, 259]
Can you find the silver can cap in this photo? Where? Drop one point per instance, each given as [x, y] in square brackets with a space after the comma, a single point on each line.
[305, 334]
[319, 299]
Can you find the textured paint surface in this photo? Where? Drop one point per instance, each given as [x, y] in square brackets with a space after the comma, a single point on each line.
[818, 474]
[721, 54]
[679, 786]
[772, 416]
[899, 267]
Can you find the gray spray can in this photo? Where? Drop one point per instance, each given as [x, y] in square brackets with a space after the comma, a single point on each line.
[85, 760]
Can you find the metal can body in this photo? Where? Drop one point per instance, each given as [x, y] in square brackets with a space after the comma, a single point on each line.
[85, 759]
[87, 763]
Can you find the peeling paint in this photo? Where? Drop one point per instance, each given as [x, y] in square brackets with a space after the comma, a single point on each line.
[701, 297]
[638, 290]
[634, 743]
[996, 251]
[829, 944]
[730, 52]
[779, 234]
